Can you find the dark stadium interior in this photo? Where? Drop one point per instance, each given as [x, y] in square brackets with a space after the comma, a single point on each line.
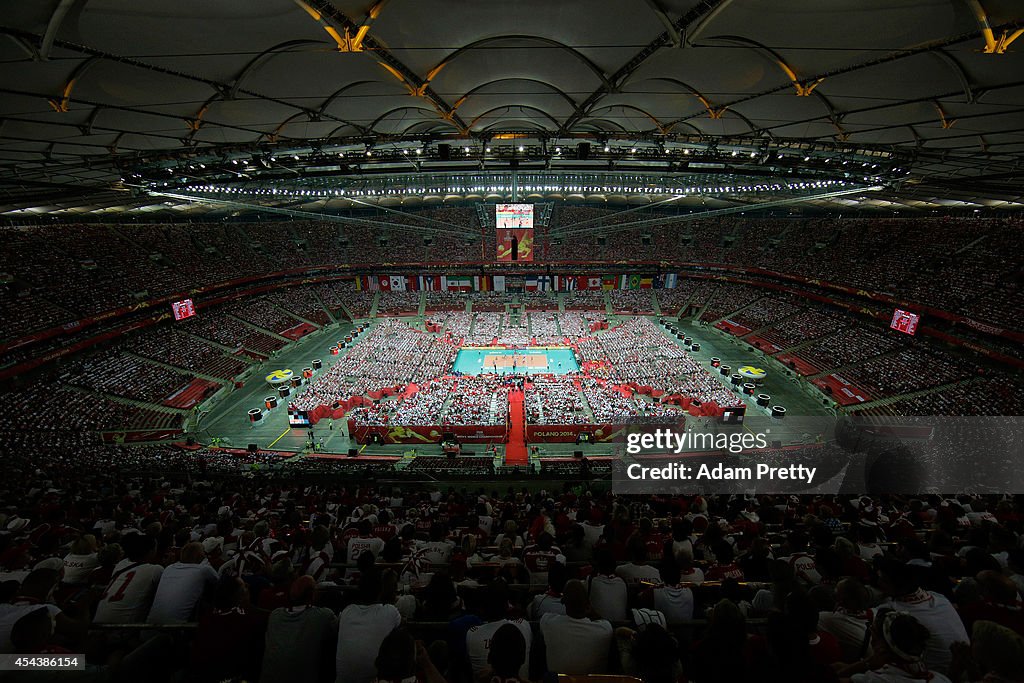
[364, 342]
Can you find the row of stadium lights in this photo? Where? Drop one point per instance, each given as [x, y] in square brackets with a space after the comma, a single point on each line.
[525, 188]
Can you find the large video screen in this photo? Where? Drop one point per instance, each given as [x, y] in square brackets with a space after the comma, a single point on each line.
[513, 215]
[515, 231]
[905, 321]
[183, 309]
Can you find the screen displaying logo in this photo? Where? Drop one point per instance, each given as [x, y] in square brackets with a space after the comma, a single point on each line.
[905, 321]
[183, 309]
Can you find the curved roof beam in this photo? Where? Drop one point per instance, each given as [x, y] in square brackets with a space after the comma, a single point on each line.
[803, 87]
[261, 59]
[392, 111]
[595, 119]
[510, 106]
[341, 91]
[553, 88]
[325, 10]
[28, 48]
[993, 45]
[662, 128]
[53, 26]
[195, 121]
[522, 122]
[432, 74]
[698, 28]
[62, 103]
[670, 29]
[958, 69]
[713, 111]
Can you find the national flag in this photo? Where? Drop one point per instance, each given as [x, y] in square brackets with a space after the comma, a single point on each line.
[396, 283]
[569, 283]
[499, 283]
[531, 283]
[609, 282]
[630, 282]
[670, 280]
[384, 283]
[457, 283]
[430, 283]
[412, 283]
[544, 283]
[590, 283]
[646, 282]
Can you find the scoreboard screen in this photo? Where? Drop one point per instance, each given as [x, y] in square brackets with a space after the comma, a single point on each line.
[514, 231]
[513, 216]
[905, 321]
[183, 309]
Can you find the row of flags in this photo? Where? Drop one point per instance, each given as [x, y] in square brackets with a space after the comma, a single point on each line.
[501, 283]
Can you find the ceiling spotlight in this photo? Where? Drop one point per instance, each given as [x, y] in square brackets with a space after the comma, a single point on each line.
[558, 150]
[369, 152]
[466, 150]
[607, 148]
[488, 150]
[632, 150]
[419, 151]
[521, 148]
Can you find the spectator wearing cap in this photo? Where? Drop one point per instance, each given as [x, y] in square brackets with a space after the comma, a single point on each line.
[182, 587]
[213, 546]
[301, 639]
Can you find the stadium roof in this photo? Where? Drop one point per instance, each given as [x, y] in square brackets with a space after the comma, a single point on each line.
[320, 105]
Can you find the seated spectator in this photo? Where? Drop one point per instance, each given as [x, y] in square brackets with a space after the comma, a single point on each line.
[931, 610]
[727, 653]
[362, 628]
[509, 654]
[34, 594]
[301, 639]
[673, 598]
[182, 587]
[637, 571]
[899, 642]
[850, 621]
[550, 602]
[607, 591]
[575, 643]
[478, 638]
[81, 561]
[229, 640]
[132, 585]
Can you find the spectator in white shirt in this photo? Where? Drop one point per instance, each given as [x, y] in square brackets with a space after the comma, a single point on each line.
[36, 592]
[182, 586]
[900, 643]
[478, 638]
[362, 628]
[133, 584]
[550, 602]
[850, 620]
[81, 561]
[574, 643]
[672, 599]
[637, 571]
[607, 592]
[932, 610]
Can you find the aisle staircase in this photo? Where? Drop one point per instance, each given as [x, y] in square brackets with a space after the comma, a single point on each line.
[515, 450]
